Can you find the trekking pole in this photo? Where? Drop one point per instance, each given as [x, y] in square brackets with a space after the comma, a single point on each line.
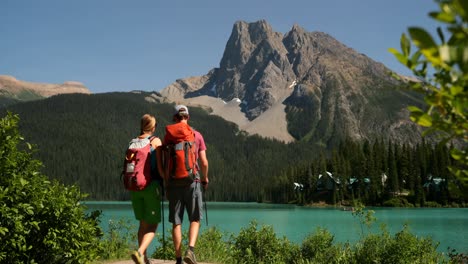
[164, 229]
[206, 208]
[206, 214]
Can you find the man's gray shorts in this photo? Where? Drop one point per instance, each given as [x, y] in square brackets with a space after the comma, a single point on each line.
[182, 198]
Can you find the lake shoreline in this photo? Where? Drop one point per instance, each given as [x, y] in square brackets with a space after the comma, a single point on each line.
[445, 225]
[308, 205]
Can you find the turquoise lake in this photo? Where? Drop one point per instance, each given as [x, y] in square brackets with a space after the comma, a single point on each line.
[444, 225]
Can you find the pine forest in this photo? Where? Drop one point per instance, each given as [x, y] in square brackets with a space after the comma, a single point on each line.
[81, 140]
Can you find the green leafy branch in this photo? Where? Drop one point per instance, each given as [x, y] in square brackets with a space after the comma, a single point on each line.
[442, 70]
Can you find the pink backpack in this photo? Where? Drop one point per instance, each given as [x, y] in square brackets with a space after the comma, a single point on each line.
[136, 172]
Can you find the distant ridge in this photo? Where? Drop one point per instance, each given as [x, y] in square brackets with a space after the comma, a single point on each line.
[11, 88]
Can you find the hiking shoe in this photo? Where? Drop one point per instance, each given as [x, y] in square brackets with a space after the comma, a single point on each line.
[137, 257]
[189, 257]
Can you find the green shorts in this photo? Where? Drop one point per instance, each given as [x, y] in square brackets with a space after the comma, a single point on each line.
[147, 203]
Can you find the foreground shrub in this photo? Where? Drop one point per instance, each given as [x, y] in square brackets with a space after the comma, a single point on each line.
[319, 247]
[456, 257]
[316, 243]
[41, 221]
[404, 247]
[261, 245]
[372, 247]
[254, 245]
[213, 248]
[210, 247]
[118, 240]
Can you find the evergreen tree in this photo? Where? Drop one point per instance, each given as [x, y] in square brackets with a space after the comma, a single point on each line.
[392, 169]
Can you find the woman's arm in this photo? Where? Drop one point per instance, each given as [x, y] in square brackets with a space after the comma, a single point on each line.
[157, 144]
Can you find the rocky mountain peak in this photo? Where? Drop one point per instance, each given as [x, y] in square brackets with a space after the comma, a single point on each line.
[305, 84]
[254, 59]
[245, 37]
[254, 32]
[297, 29]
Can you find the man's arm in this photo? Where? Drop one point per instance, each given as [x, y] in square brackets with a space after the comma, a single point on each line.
[203, 166]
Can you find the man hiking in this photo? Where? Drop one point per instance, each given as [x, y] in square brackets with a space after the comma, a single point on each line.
[186, 171]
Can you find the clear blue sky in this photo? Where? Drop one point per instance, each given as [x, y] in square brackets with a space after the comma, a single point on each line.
[117, 45]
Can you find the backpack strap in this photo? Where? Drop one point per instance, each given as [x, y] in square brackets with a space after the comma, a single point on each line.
[188, 147]
[151, 138]
[154, 167]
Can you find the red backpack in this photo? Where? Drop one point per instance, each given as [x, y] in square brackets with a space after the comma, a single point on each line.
[179, 151]
[137, 164]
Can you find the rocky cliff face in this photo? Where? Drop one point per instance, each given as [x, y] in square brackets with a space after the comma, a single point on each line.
[254, 68]
[21, 90]
[308, 84]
